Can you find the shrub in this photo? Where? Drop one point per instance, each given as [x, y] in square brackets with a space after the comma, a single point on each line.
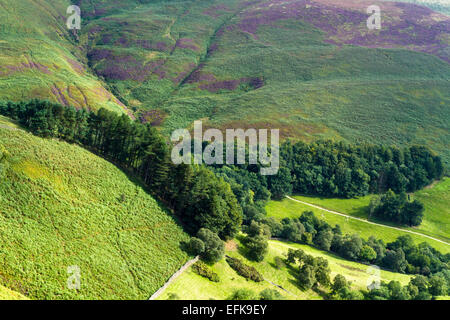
[203, 270]
[173, 296]
[279, 263]
[244, 270]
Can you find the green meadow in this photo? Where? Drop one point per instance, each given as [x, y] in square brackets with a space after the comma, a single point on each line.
[62, 206]
[190, 286]
[292, 209]
[436, 200]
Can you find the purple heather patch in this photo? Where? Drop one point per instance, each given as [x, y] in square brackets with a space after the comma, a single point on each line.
[154, 117]
[59, 95]
[122, 67]
[232, 85]
[186, 43]
[11, 69]
[412, 25]
[76, 66]
[214, 11]
[182, 75]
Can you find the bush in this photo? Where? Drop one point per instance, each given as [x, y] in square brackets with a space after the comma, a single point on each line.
[214, 247]
[173, 296]
[244, 270]
[202, 269]
[279, 263]
[257, 247]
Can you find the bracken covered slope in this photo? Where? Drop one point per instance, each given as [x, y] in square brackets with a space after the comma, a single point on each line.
[63, 208]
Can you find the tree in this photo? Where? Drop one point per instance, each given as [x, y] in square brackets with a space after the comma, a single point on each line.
[322, 272]
[397, 291]
[323, 239]
[367, 254]
[257, 247]
[211, 204]
[196, 246]
[395, 260]
[346, 293]
[351, 247]
[242, 294]
[420, 282]
[339, 283]
[437, 286]
[412, 213]
[306, 277]
[281, 183]
[258, 229]
[214, 247]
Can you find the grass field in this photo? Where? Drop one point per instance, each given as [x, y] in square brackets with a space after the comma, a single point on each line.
[61, 206]
[191, 286]
[292, 209]
[437, 209]
[436, 200]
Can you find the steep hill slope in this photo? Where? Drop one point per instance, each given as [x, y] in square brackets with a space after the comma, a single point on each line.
[39, 57]
[61, 207]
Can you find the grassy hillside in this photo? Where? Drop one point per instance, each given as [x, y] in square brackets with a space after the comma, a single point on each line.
[40, 57]
[310, 68]
[436, 221]
[292, 209]
[191, 286]
[62, 206]
[436, 199]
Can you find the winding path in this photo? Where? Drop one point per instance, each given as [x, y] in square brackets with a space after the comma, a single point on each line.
[366, 221]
